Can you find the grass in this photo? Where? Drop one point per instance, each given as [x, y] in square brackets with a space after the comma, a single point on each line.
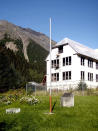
[82, 117]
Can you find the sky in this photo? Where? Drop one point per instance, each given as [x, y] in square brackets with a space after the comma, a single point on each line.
[74, 19]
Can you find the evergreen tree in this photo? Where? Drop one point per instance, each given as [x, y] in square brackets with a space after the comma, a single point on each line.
[15, 71]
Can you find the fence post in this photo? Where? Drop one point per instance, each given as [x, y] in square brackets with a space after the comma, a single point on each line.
[35, 90]
[26, 89]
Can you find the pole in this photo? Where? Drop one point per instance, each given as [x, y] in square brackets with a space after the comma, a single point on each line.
[26, 89]
[50, 99]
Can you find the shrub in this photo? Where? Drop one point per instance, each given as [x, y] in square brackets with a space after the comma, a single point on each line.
[82, 86]
[29, 100]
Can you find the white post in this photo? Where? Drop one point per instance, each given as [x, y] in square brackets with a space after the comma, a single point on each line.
[50, 71]
[50, 56]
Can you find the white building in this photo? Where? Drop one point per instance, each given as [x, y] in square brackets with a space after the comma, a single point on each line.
[72, 62]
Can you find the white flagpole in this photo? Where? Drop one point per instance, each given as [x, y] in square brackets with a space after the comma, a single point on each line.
[50, 99]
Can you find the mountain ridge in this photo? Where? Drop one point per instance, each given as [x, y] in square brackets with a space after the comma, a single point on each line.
[25, 34]
[22, 56]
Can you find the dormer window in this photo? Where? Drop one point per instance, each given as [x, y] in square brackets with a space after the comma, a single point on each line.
[60, 49]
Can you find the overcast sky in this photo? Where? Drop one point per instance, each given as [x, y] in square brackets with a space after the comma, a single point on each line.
[75, 19]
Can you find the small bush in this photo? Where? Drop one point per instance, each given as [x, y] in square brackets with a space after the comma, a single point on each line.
[29, 100]
[82, 86]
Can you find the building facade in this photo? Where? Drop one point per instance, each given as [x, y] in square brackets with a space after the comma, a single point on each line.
[71, 62]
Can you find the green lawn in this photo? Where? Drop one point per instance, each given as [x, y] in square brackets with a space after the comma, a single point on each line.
[82, 117]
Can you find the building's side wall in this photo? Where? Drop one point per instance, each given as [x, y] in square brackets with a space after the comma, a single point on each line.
[67, 51]
[75, 69]
[86, 69]
[53, 56]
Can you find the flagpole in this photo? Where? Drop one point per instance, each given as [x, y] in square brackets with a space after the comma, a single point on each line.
[50, 99]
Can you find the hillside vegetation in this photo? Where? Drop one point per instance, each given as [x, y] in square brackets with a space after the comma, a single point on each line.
[15, 71]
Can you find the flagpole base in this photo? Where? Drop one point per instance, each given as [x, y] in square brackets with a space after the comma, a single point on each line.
[49, 113]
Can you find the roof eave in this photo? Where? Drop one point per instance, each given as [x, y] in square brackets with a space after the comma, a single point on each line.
[79, 54]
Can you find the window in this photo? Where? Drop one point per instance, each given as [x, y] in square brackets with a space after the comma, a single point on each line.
[60, 49]
[67, 61]
[63, 75]
[82, 61]
[55, 64]
[97, 65]
[55, 77]
[82, 75]
[63, 61]
[90, 63]
[90, 76]
[96, 77]
[67, 75]
[52, 64]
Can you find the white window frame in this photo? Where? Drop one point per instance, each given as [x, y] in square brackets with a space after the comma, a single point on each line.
[90, 76]
[96, 77]
[65, 63]
[54, 77]
[82, 61]
[82, 74]
[90, 63]
[55, 63]
[65, 76]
